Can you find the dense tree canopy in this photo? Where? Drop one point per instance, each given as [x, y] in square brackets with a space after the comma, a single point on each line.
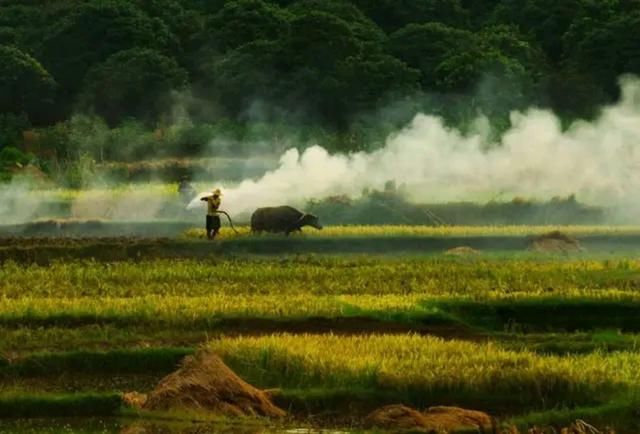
[87, 35]
[25, 86]
[327, 63]
[132, 83]
[244, 21]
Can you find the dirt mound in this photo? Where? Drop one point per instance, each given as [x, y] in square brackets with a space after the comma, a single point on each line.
[395, 417]
[555, 241]
[434, 419]
[462, 251]
[455, 419]
[204, 382]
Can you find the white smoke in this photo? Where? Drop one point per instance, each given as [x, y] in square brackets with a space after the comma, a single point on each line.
[598, 161]
[16, 203]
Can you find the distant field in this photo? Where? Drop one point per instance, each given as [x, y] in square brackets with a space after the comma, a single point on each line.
[189, 228]
[54, 240]
[435, 231]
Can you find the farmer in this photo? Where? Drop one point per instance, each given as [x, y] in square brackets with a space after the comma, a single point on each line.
[213, 219]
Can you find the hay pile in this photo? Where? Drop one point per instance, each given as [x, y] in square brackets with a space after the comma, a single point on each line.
[555, 241]
[462, 251]
[204, 382]
[435, 419]
[134, 399]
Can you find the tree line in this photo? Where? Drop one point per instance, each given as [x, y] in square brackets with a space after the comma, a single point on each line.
[335, 65]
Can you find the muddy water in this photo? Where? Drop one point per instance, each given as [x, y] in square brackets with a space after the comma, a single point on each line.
[115, 426]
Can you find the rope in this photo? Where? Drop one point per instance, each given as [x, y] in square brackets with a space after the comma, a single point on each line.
[230, 221]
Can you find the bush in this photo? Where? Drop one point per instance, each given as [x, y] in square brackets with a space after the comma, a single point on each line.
[391, 207]
[192, 139]
[11, 156]
[77, 173]
[11, 128]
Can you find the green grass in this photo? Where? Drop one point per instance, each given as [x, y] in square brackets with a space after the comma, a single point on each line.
[620, 413]
[28, 339]
[69, 405]
[545, 314]
[163, 360]
[15, 345]
[570, 343]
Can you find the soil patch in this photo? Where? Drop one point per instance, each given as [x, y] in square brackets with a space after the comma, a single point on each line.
[204, 382]
[555, 241]
[434, 419]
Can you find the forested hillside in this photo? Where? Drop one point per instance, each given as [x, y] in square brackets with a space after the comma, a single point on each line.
[92, 74]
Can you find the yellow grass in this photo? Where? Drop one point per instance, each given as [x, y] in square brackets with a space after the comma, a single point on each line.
[422, 363]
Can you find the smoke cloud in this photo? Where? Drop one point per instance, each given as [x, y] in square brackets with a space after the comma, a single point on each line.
[16, 205]
[598, 161]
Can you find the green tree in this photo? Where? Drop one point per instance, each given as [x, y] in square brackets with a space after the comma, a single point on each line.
[363, 28]
[183, 22]
[510, 42]
[605, 49]
[546, 21]
[250, 72]
[25, 86]
[392, 15]
[425, 46]
[463, 70]
[89, 33]
[132, 83]
[21, 25]
[243, 21]
[319, 43]
[11, 128]
[369, 81]
[319, 40]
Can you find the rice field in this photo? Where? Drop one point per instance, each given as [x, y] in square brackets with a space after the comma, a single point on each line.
[504, 333]
[425, 364]
[435, 231]
[314, 275]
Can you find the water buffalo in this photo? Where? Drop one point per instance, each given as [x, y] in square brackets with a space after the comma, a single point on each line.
[281, 219]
